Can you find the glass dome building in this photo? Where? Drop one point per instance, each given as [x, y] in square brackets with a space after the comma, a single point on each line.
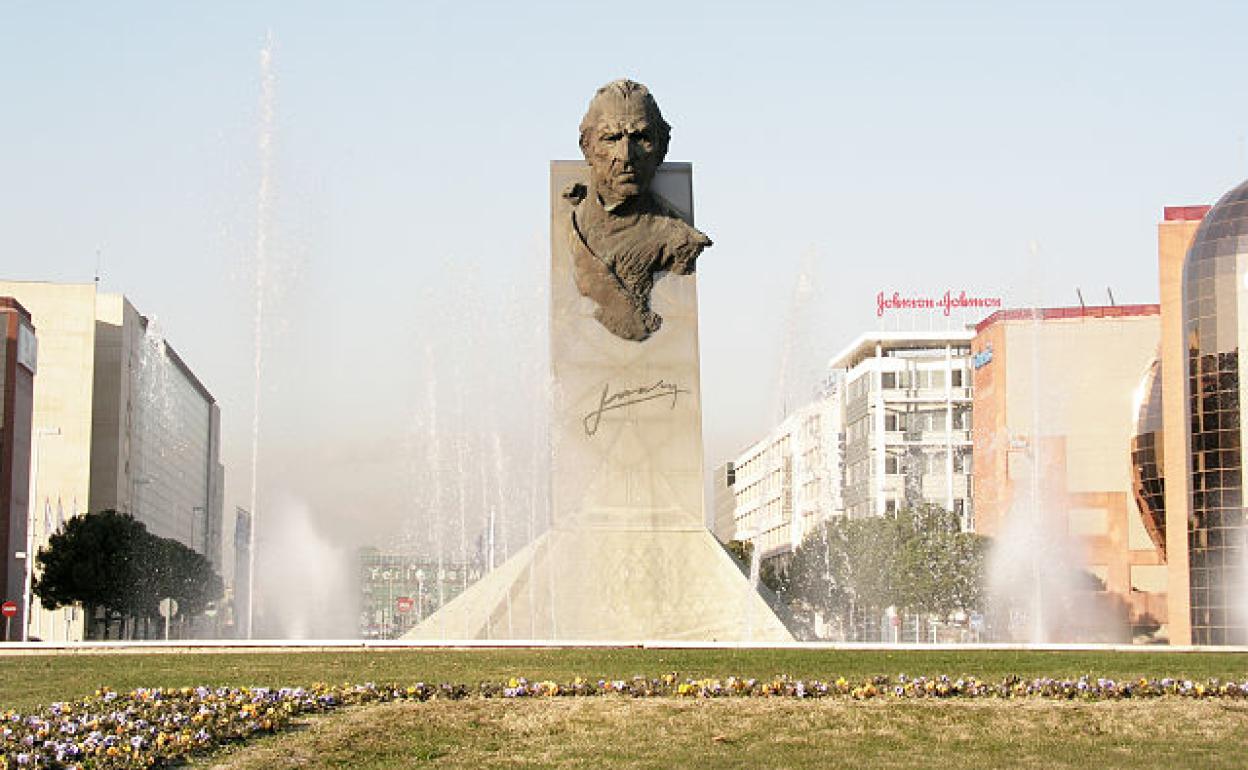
[1148, 482]
[1215, 312]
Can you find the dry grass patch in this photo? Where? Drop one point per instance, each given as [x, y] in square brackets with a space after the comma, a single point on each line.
[663, 733]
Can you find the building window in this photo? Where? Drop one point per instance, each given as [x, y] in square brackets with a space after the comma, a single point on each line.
[962, 462]
[962, 417]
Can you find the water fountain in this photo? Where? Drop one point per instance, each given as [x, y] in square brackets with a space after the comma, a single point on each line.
[264, 227]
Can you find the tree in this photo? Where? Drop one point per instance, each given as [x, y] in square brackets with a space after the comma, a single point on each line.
[189, 578]
[939, 564]
[772, 575]
[95, 560]
[741, 551]
[917, 560]
[110, 560]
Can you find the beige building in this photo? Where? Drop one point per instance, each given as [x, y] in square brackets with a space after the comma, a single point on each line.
[120, 422]
[1056, 402]
[1174, 236]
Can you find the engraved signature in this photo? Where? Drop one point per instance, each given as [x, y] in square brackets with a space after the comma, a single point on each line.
[609, 401]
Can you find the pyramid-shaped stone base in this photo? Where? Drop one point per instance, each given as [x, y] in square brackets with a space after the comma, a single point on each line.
[611, 585]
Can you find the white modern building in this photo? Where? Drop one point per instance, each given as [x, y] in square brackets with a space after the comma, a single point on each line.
[121, 422]
[907, 416]
[723, 508]
[787, 483]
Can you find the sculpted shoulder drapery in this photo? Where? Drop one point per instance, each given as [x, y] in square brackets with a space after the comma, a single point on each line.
[623, 236]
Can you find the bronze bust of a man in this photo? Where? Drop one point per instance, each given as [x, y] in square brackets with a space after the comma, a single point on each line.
[623, 235]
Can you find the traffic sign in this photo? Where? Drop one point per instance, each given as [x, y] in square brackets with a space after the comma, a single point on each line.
[168, 607]
[404, 604]
[8, 610]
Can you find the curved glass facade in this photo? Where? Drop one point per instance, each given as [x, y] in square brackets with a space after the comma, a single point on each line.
[1148, 481]
[1213, 280]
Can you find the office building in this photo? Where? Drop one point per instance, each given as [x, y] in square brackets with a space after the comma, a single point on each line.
[18, 365]
[120, 421]
[1214, 287]
[907, 416]
[723, 522]
[1148, 480]
[785, 484]
[398, 590]
[1056, 407]
[1174, 236]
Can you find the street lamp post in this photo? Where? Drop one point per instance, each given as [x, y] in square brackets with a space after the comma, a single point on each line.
[38, 434]
[199, 528]
[420, 595]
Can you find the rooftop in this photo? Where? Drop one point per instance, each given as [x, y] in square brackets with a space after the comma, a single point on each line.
[866, 344]
[1184, 213]
[1061, 313]
[9, 303]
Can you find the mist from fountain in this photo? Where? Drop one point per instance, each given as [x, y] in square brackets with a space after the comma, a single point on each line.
[435, 464]
[154, 428]
[264, 227]
[478, 462]
[1038, 585]
[303, 595]
[1038, 581]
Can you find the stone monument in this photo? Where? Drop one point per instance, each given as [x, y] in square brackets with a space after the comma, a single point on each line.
[627, 556]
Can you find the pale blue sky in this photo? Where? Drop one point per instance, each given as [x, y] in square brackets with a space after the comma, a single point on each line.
[915, 146]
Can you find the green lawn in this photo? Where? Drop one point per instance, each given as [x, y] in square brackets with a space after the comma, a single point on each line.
[27, 681]
[619, 732]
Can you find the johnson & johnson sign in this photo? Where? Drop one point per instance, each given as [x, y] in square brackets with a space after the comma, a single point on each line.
[946, 303]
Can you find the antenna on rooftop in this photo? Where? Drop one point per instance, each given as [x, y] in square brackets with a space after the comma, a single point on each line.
[98, 261]
[1081, 303]
[1109, 290]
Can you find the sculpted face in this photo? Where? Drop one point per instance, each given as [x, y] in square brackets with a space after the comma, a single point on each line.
[623, 146]
[621, 247]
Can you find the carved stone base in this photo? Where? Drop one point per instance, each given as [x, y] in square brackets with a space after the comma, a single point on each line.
[611, 585]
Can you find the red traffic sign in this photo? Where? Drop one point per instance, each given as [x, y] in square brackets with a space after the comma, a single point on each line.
[404, 604]
[8, 609]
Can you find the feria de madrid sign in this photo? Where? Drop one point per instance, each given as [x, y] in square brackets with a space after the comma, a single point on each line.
[946, 303]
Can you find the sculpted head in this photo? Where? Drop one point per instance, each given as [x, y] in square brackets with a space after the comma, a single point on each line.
[624, 138]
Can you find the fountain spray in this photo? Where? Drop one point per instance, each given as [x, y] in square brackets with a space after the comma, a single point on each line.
[264, 221]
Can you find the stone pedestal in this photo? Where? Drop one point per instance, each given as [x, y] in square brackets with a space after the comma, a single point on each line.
[628, 556]
[627, 415]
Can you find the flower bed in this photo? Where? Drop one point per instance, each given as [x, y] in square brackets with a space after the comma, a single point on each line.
[158, 727]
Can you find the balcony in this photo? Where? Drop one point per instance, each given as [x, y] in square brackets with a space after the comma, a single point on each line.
[925, 395]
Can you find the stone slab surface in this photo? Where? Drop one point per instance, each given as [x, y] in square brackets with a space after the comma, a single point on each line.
[595, 584]
[627, 430]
